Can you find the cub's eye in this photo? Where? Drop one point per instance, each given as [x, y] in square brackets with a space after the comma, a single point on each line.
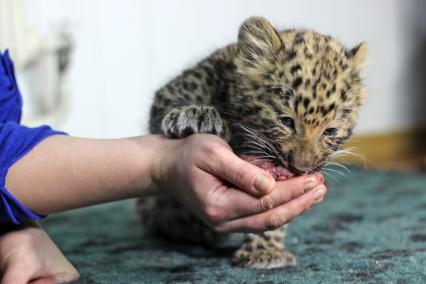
[287, 121]
[330, 132]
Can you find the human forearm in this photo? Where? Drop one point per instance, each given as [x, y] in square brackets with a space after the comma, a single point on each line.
[200, 171]
[65, 172]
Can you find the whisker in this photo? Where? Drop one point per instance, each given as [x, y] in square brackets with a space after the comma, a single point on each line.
[260, 160]
[354, 152]
[337, 165]
[252, 145]
[328, 175]
[335, 171]
[258, 153]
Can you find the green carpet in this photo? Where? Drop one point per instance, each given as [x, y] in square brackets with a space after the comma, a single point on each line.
[370, 229]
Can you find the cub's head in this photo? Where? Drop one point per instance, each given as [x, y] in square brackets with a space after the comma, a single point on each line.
[297, 94]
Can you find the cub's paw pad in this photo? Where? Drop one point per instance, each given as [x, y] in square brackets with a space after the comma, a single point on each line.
[263, 258]
[189, 120]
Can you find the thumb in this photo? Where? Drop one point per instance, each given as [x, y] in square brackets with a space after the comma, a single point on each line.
[244, 175]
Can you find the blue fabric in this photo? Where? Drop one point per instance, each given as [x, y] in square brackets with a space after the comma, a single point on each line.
[15, 141]
[10, 98]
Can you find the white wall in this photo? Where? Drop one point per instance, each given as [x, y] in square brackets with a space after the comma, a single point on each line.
[126, 49]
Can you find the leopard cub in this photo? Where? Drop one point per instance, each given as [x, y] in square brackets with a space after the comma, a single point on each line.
[290, 97]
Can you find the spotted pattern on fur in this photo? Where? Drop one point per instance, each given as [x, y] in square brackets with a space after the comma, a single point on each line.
[292, 96]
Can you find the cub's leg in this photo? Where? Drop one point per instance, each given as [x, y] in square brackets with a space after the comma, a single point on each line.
[265, 250]
[186, 120]
[165, 217]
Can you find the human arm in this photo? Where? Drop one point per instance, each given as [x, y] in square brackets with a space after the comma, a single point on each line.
[66, 172]
[63, 172]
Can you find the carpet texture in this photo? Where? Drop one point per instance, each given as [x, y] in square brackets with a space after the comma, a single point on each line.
[370, 229]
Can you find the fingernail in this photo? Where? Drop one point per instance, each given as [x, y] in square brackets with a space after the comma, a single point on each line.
[262, 183]
[310, 183]
[319, 176]
[319, 193]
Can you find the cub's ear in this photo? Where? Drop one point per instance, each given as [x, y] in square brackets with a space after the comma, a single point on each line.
[358, 54]
[257, 38]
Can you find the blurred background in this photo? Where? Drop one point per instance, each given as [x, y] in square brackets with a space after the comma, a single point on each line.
[91, 68]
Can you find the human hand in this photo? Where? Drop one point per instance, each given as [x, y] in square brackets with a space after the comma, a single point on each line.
[28, 255]
[199, 170]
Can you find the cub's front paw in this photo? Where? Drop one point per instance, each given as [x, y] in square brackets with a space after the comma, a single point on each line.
[189, 120]
[263, 258]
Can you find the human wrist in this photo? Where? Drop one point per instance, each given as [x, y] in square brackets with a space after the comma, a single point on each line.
[155, 156]
[163, 150]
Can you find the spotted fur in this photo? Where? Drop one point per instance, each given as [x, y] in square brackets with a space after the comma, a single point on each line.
[291, 97]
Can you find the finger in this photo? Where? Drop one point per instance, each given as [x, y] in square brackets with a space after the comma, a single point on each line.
[319, 201]
[68, 276]
[237, 204]
[242, 174]
[15, 276]
[64, 277]
[59, 271]
[276, 217]
[46, 280]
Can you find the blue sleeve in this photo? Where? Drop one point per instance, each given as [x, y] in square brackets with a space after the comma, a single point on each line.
[16, 141]
[10, 97]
